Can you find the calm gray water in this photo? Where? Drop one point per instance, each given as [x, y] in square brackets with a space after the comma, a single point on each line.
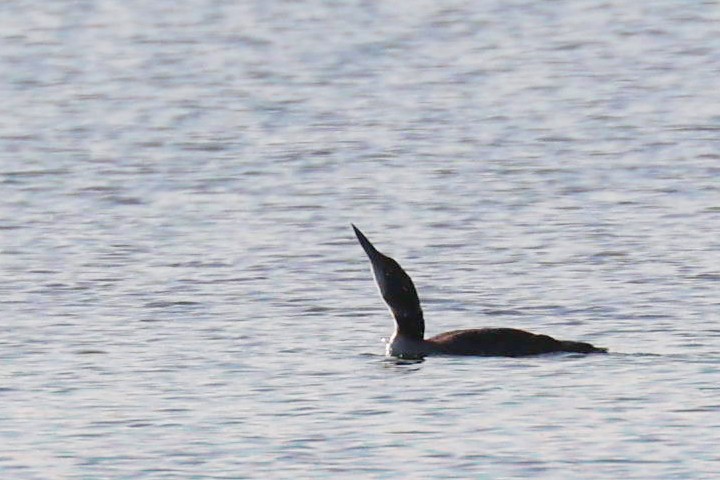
[182, 295]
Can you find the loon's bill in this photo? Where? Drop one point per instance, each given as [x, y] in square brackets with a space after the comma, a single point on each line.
[398, 292]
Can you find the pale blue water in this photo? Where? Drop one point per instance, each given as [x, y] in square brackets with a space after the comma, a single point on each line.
[182, 295]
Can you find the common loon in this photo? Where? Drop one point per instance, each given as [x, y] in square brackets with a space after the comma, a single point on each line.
[408, 341]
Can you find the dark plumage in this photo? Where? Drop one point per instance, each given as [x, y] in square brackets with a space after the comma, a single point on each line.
[507, 342]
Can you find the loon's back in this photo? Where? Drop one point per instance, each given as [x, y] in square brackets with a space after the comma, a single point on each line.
[505, 342]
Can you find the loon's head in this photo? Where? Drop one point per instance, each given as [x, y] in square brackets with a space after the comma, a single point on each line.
[396, 288]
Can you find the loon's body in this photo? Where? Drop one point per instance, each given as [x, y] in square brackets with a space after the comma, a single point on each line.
[398, 291]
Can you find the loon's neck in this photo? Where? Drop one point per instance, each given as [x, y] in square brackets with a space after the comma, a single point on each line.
[409, 323]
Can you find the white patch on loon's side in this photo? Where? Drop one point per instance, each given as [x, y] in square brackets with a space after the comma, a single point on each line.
[401, 346]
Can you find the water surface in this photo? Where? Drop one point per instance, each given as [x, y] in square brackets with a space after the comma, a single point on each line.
[182, 295]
